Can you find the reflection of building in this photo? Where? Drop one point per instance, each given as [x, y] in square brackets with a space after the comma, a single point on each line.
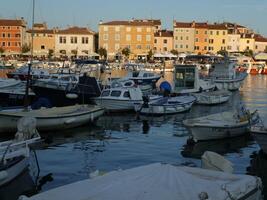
[43, 39]
[12, 34]
[163, 41]
[137, 35]
[74, 41]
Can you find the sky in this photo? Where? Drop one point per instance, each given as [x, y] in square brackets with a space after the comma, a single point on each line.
[63, 13]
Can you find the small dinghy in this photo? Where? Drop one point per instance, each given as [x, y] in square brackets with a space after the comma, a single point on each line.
[56, 118]
[15, 153]
[166, 105]
[212, 97]
[221, 125]
[259, 132]
[158, 181]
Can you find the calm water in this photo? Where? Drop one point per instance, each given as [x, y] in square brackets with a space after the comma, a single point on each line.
[126, 141]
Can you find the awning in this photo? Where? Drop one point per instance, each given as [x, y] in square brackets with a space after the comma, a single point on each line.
[260, 56]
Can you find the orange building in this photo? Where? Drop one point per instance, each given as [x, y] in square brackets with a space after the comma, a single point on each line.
[12, 34]
[201, 38]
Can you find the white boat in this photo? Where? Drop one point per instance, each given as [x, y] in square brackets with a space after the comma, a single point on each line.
[159, 181]
[120, 98]
[166, 105]
[15, 153]
[186, 80]
[259, 132]
[56, 118]
[225, 76]
[220, 125]
[212, 97]
[8, 82]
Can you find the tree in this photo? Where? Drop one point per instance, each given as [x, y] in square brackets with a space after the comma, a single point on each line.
[2, 50]
[223, 52]
[174, 52]
[126, 52]
[248, 52]
[25, 48]
[50, 53]
[150, 55]
[102, 52]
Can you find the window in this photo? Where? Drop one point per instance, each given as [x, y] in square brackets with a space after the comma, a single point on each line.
[223, 32]
[139, 29]
[181, 38]
[105, 37]
[211, 32]
[128, 29]
[84, 40]
[196, 39]
[73, 40]
[148, 29]
[42, 47]
[186, 46]
[139, 46]
[17, 35]
[196, 32]
[128, 37]
[187, 38]
[181, 46]
[206, 40]
[247, 41]
[206, 32]
[165, 41]
[3, 44]
[139, 37]
[62, 40]
[148, 38]
[117, 28]
[105, 28]
[8, 35]
[126, 94]
[176, 38]
[155, 40]
[105, 93]
[205, 48]
[217, 32]
[165, 48]
[117, 37]
[176, 46]
[44, 34]
[8, 27]
[148, 47]
[223, 41]
[117, 46]
[8, 44]
[115, 93]
[3, 35]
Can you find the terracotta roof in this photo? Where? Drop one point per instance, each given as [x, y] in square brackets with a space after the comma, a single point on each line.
[183, 24]
[12, 22]
[76, 30]
[201, 25]
[133, 23]
[39, 25]
[260, 38]
[48, 31]
[217, 26]
[164, 33]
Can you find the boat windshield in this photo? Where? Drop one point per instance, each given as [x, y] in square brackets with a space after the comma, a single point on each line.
[105, 93]
[115, 93]
[185, 78]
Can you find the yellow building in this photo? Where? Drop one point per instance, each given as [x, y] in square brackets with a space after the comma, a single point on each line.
[163, 41]
[260, 44]
[137, 35]
[218, 36]
[43, 39]
[247, 42]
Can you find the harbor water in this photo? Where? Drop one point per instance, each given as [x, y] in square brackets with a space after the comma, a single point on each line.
[126, 140]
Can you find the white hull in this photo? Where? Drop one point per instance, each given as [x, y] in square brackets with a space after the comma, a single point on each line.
[8, 122]
[210, 98]
[15, 170]
[228, 85]
[116, 104]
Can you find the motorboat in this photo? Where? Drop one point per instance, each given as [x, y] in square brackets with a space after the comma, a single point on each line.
[187, 80]
[143, 77]
[220, 125]
[8, 82]
[161, 181]
[259, 132]
[15, 153]
[56, 118]
[120, 97]
[212, 97]
[165, 105]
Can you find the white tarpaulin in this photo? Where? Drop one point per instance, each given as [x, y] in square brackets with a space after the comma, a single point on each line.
[261, 56]
[155, 182]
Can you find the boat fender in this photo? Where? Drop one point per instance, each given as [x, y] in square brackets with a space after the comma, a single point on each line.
[70, 121]
[3, 175]
[71, 96]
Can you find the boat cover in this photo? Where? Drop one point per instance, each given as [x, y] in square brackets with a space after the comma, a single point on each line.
[155, 181]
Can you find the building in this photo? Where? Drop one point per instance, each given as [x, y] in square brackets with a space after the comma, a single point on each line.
[43, 40]
[260, 44]
[12, 35]
[184, 36]
[136, 35]
[74, 41]
[247, 42]
[218, 36]
[163, 41]
[201, 38]
[233, 42]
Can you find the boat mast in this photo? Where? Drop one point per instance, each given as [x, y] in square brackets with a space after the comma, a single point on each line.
[26, 99]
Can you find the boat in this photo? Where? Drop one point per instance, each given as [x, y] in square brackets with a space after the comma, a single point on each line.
[212, 97]
[161, 181]
[165, 105]
[224, 75]
[8, 82]
[143, 77]
[120, 97]
[220, 125]
[55, 118]
[15, 153]
[187, 80]
[259, 132]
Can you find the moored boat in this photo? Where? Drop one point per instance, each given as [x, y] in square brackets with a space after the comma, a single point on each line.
[212, 97]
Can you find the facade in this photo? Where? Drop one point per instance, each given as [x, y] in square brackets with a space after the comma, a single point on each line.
[74, 41]
[43, 39]
[233, 43]
[163, 41]
[12, 34]
[201, 38]
[184, 36]
[260, 44]
[137, 35]
[218, 37]
[247, 42]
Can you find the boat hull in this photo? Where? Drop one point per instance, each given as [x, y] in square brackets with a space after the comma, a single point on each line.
[211, 100]
[116, 105]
